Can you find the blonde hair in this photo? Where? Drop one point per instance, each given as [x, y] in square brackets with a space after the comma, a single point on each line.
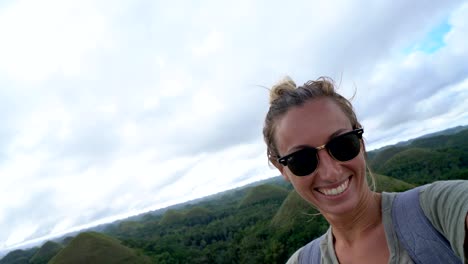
[285, 94]
[284, 86]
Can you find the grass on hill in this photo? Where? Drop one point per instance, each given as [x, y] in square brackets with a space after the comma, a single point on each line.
[46, 253]
[92, 247]
[172, 217]
[18, 256]
[293, 209]
[389, 184]
[263, 193]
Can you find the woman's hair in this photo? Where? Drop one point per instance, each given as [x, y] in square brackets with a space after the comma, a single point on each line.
[285, 95]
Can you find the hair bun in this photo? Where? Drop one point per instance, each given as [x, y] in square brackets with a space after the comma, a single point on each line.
[283, 86]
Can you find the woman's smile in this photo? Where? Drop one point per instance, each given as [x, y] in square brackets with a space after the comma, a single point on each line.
[335, 189]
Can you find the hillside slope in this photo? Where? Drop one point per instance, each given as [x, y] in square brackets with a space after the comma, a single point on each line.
[424, 160]
[46, 253]
[263, 193]
[97, 248]
[18, 256]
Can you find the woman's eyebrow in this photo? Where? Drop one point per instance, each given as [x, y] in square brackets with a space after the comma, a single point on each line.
[337, 133]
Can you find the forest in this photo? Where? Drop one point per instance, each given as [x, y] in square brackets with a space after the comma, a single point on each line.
[264, 222]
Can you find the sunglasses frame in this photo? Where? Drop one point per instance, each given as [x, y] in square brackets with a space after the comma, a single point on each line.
[358, 132]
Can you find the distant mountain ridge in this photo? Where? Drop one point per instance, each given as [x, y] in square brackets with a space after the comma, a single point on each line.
[446, 132]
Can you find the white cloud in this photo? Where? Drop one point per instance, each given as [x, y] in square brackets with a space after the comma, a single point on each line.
[212, 44]
[48, 37]
[457, 37]
[20, 234]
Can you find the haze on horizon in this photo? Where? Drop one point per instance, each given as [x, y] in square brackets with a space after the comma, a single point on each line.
[114, 108]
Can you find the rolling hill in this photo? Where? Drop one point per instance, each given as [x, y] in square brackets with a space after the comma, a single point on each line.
[426, 159]
[91, 247]
[45, 253]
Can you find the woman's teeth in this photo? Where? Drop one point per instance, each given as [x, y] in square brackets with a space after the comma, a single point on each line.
[335, 191]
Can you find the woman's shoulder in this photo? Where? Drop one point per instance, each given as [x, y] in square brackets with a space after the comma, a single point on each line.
[294, 259]
[444, 187]
[312, 251]
[438, 191]
[445, 203]
[440, 194]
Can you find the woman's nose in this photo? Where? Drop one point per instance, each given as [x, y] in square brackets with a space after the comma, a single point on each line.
[328, 168]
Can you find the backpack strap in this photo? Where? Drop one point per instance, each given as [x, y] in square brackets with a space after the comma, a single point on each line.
[416, 233]
[310, 253]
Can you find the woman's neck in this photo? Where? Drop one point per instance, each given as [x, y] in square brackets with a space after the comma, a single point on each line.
[357, 224]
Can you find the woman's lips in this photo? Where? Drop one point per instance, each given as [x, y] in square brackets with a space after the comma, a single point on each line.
[334, 191]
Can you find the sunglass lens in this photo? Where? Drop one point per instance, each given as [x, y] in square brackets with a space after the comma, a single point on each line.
[303, 162]
[344, 148]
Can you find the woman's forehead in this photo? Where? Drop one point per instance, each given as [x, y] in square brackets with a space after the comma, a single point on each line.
[311, 124]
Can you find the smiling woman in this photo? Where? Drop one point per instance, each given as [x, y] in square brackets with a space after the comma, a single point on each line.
[314, 139]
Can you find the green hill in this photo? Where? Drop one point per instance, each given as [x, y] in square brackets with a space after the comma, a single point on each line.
[172, 217]
[295, 224]
[263, 193]
[198, 216]
[378, 158]
[388, 184]
[293, 209]
[415, 164]
[426, 159]
[91, 247]
[65, 241]
[18, 256]
[46, 253]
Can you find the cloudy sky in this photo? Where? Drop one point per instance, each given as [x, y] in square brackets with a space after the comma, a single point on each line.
[112, 108]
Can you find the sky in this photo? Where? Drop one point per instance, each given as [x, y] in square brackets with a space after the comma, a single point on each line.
[113, 108]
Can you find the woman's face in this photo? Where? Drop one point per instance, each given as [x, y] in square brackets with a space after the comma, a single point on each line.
[314, 124]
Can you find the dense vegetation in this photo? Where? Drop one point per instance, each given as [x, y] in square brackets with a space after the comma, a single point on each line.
[423, 160]
[261, 223]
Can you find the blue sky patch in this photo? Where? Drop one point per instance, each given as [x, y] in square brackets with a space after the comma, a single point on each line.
[433, 41]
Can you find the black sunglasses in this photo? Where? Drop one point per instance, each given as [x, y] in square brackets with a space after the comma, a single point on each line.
[341, 148]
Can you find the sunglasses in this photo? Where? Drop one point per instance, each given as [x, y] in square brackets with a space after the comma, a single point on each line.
[344, 147]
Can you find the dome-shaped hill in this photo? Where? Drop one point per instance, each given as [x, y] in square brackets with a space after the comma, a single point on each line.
[376, 161]
[92, 247]
[293, 209]
[18, 256]
[263, 193]
[415, 164]
[198, 215]
[67, 240]
[388, 184]
[172, 217]
[46, 253]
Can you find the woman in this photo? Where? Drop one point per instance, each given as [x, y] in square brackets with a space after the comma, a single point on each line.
[315, 140]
